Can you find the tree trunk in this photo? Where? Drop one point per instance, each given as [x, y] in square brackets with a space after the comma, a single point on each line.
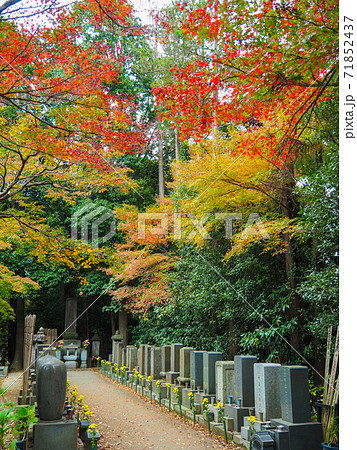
[17, 363]
[177, 145]
[112, 322]
[123, 326]
[161, 167]
[290, 210]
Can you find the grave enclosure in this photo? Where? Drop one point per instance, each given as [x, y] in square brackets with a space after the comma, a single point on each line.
[276, 395]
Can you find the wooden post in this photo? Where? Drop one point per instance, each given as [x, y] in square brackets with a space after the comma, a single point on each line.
[28, 340]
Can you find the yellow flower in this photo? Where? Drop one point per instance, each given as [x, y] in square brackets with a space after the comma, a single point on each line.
[168, 385]
[149, 378]
[252, 419]
[158, 383]
[190, 395]
[220, 405]
[176, 389]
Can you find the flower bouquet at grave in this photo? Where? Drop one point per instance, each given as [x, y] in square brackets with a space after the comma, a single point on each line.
[176, 391]
[220, 408]
[107, 367]
[141, 380]
[85, 344]
[191, 396]
[158, 384]
[92, 433]
[252, 421]
[168, 386]
[122, 373]
[205, 410]
[59, 344]
[74, 394]
[102, 362]
[150, 386]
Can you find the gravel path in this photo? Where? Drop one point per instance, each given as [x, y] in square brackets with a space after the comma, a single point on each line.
[126, 421]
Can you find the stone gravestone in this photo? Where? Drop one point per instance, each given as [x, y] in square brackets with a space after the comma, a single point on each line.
[52, 432]
[267, 391]
[294, 394]
[185, 354]
[123, 357]
[295, 409]
[224, 380]
[209, 371]
[147, 360]
[175, 357]
[131, 357]
[95, 345]
[244, 379]
[155, 362]
[165, 359]
[71, 319]
[141, 358]
[196, 369]
[117, 347]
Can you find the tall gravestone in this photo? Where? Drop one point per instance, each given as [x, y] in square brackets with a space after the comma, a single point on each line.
[147, 360]
[52, 432]
[155, 362]
[209, 371]
[141, 359]
[185, 355]
[244, 379]
[117, 346]
[71, 319]
[295, 409]
[267, 391]
[131, 357]
[224, 380]
[294, 394]
[165, 359]
[175, 357]
[196, 369]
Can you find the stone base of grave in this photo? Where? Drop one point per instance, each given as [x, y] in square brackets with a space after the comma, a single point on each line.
[83, 364]
[55, 435]
[218, 428]
[71, 365]
[237, 439]
[185, 398]
[198, 397]
[307, 436]
[237, 415]
[212, 409]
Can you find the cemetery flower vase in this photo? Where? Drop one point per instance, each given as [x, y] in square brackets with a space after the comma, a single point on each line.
[329, 446]
[83, 425]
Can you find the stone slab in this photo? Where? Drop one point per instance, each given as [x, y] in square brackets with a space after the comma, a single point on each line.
[165, 359]
[175, 357]
[244, 379]
[294, 394]
[267, 391]
[224, 380]
[209, 371]
[306, 436]
[196, 369]
[57, 435]
[237, 415]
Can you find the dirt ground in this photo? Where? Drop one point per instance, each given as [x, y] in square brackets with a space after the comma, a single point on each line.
[127, 421]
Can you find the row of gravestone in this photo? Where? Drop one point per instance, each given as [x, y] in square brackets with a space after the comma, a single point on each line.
[271, 392]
